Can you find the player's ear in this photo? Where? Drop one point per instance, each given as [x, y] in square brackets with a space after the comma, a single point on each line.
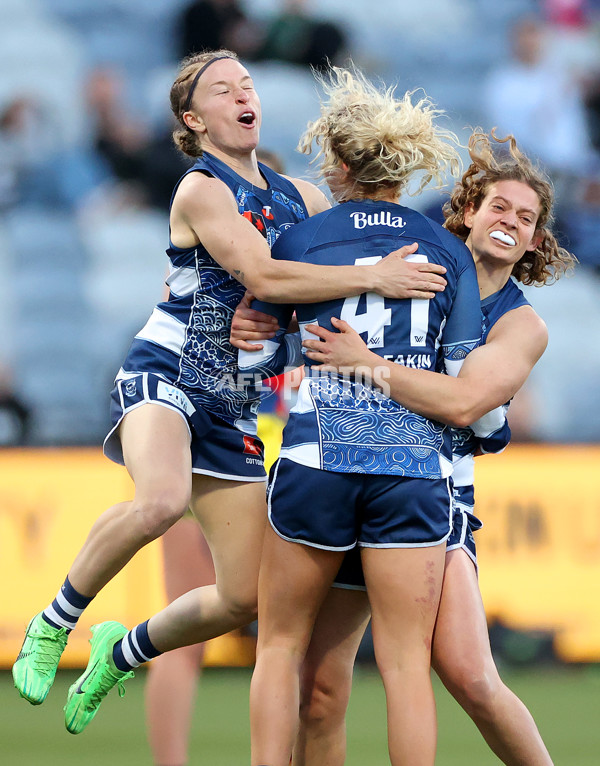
[469, 215]
[537, 240]
[194, 122]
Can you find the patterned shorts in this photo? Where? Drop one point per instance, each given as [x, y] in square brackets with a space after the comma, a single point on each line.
[218, 448]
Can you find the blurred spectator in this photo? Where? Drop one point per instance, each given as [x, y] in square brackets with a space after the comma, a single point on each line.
[15, 416]
[580, 221]
[144, 161]
[292, 35]
[162, 166]
[214, 24]
[271, 159]
[592, 104]
[36, 165]
[566, 13]
[298, 38]
[574, 38]
[536, 99]
[119, 138]
[21, 144]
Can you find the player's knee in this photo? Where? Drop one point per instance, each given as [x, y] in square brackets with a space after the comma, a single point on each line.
[323, 702]
[476, 691]
[243, 606]
[153, 516]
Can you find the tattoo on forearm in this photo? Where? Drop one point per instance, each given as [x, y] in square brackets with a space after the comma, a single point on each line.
[239, 275]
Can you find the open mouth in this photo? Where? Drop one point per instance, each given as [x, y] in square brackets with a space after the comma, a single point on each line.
[247, 118]
[501, 236]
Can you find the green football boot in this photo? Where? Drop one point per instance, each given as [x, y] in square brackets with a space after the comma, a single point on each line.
[36, 664]
[101, 674]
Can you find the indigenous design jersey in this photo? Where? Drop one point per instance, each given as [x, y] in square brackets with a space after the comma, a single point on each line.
[491, 432]
[186, 339]
[345, 425]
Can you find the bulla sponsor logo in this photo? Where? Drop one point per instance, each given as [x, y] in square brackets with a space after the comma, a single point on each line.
[362, 220]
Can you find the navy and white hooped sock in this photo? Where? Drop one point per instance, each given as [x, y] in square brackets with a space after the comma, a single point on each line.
[67, 607]
[134, 648]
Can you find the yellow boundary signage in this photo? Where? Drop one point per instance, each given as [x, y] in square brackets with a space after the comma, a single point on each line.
[49, 499]
[539, 550]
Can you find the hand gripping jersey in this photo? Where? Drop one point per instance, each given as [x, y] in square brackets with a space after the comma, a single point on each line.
[186, 339]
[345, 425]
[491, 432]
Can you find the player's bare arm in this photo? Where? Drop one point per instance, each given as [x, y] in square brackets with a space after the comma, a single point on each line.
[204, 211]
[489, 377]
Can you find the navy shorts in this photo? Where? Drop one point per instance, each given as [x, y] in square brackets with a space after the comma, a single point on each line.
[218, 448]
[350, 574]
[464, 522]
[334, 511]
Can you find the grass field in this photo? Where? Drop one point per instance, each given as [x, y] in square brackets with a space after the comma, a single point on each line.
[565, 703]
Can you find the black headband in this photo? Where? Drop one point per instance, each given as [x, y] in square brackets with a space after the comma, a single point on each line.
[188, 100]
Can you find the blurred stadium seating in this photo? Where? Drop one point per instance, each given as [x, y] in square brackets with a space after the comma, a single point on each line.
[79, 278]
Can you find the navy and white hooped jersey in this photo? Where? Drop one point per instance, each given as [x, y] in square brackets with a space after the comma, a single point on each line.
[186, 339]
[340, 423]
[491, 433]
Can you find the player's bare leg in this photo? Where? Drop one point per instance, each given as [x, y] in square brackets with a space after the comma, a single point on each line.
[294, 581]
[157, 454]
[326, 679]
[463, 659]
[233, 517]
[404, 587]
[156, 448]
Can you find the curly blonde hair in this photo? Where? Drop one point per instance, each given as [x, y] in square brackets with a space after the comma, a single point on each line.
[184, 137]
[381, 140]
[548, 262]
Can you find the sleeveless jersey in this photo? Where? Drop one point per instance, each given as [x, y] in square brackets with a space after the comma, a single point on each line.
[186, 339]
[345, 425]
[466, 442]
